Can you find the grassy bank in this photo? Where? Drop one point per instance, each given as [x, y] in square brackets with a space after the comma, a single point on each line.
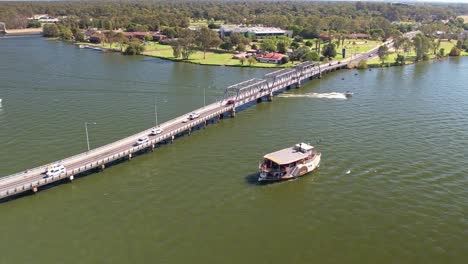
[411, 56]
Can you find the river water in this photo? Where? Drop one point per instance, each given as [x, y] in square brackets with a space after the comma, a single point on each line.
[392, 186]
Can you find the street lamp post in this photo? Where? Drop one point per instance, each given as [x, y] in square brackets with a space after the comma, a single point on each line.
[86, 129]
[155, 112]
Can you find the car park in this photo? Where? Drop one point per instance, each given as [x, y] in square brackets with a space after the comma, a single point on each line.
[141, 141]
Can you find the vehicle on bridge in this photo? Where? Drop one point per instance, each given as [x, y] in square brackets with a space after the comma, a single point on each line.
[230, 102]
[289, 163]
[193, 115]
[55, 170]
[155, 131]
[141, 141]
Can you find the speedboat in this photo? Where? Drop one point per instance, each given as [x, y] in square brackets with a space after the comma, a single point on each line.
[348, 94]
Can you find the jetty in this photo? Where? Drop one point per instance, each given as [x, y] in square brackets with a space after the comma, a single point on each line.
[235, 96]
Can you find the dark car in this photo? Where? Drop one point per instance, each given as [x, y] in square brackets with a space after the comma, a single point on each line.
[230, 102]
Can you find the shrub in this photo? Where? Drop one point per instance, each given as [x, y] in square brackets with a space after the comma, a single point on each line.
[284, 60]
[454, 52]
[362, 64]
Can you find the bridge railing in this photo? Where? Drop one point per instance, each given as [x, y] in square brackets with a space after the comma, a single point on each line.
[101, 149]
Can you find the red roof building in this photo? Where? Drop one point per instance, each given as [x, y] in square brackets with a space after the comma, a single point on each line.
[272, 57]
[141, 35]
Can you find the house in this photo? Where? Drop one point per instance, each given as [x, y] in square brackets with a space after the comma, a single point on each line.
[96, 38]
[45, 18]
[272, 57]
[141, 35]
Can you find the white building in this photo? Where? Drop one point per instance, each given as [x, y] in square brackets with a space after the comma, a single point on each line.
[255, 32]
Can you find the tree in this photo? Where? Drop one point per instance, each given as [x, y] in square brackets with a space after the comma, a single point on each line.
[400, 60]
[454, 52]
[227, 44]
[241, 47]
[187, 43]
[308, 43]
[268, 44]
[134, 48]
[436, 46]
[148, 38]
[33, 24]
[295, 45]
[281, 48]
[207, 38]
[383, 53]
[329, 50]
[251, 60]
[242, 60]
[284, 60]
[121, 39]
[50, 30]
[441, 53]
[311, 56]
[66, 34]
[299, 53]
[421, 45]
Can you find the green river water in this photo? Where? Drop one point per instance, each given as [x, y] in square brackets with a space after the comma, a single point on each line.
[392, 186]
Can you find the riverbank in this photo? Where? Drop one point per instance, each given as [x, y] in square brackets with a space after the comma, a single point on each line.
[410, 57]
[225, 59]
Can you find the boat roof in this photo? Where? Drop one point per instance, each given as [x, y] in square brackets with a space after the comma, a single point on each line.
[289, 155]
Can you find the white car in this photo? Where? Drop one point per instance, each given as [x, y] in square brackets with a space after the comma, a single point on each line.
[156, 130]
[185, 120]
[141, 140]
[193, 115]
[55, 170]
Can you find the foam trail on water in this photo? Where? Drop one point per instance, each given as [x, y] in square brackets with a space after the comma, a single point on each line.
[315, 95]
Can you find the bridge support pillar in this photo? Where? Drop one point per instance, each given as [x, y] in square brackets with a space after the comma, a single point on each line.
[102, 167]
[270, 97]
[298, 85]
[221, 116]
[34, 189]
[72, 177]
[152, 147]
[233, 112]
[130, 156]
[259, 100]
[172, 139]
[204, 124]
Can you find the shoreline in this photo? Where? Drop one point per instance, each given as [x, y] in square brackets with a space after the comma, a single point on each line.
[284, 66]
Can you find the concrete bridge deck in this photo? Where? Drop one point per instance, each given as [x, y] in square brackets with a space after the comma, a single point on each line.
[252, 90]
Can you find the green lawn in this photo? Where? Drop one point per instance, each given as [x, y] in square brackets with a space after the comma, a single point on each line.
[410, 57]
[353, 46]
[212, 58]
[165, 52]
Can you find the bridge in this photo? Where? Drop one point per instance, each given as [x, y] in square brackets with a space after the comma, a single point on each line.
[235, 96]
[23, 32]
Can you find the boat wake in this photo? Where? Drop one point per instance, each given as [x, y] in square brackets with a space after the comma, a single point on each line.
[316, 95]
